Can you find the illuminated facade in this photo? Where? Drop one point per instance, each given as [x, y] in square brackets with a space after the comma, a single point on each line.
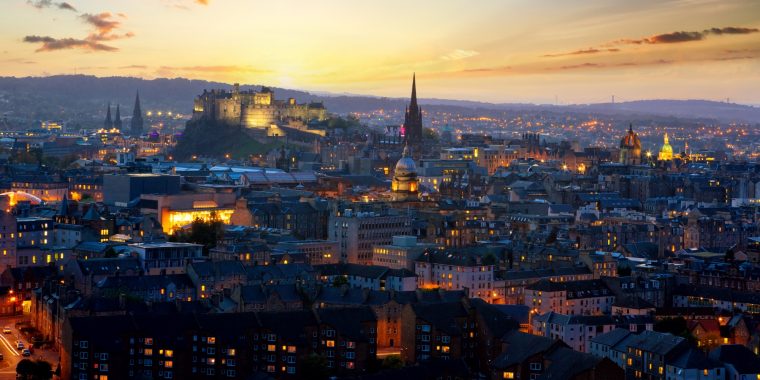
[666, 152]
[630, 148]
[251, 109]
[178, 210]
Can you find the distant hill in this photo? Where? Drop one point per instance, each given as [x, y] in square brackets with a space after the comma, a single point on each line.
[78, 96]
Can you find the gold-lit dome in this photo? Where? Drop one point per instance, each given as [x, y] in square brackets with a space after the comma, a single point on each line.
[666, 152]
[631, 139]
[405, 184]
[405, 166]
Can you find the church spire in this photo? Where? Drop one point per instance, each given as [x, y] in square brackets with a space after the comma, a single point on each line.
[136, 124]
[108, 123]
[413, 102]
[117, 119]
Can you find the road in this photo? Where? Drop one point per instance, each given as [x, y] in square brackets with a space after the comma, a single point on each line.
[11, 356]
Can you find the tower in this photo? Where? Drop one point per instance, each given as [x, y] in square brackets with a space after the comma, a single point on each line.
[117, 119]
[413, 118]
[630, 148]
[666, 152]
[108, 123]
[136, 124]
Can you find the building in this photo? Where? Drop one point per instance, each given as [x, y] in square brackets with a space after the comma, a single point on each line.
[577, 331]
[666, 152]
[120, 189]
[252, 109]
[400, 254]
[405, 185]
[358, 232]
[412, 128]
[166, 258]
[644, 355]
[313, 252]
[587, 297]
[175, 211]
[630, 148]
[368, 277]
[456, 271]
[136, 123]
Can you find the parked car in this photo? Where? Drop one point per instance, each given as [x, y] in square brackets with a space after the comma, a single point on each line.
[26, 352]
[7, 330]
[20, 345]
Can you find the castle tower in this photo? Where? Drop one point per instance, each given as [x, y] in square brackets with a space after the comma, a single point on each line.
[413, 117]
[136, 124]
[108, 123]
[117, 119]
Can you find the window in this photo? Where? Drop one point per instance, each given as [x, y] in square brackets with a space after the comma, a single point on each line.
[148, 341]
[508, 375]
[535, 366]
[330, 343]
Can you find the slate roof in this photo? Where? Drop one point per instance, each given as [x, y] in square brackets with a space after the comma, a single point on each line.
[740, 357]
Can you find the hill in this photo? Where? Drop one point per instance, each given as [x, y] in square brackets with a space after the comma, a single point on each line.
[81, 96]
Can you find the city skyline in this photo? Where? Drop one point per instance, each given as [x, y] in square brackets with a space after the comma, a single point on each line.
[579, 52]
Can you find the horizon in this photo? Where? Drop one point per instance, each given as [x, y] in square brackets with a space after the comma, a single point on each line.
[400, 97]
[520, 52]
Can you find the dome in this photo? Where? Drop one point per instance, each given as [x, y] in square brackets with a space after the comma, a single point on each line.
[631, 140]
[405, 165]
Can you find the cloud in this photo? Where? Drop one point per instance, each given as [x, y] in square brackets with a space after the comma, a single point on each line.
[104, 28]
[51, 44]
[134, 67]
[458, 54]
[66, 6]
[732, 30]
[682, 36]
[584, 51]
[202, 2]
[40, 4]
[103, 22]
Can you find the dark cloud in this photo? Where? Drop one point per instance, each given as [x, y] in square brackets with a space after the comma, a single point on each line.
[731, 30]
[67, 6]
[104, 29]
[40, 4]
[52, 44]
[682, 36]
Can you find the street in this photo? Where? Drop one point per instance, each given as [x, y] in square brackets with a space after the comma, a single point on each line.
[11, 356]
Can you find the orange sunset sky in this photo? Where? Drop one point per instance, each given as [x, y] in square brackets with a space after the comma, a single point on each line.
[498, 51]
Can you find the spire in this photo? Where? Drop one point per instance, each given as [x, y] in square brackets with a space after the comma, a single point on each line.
[63, 210]
[667, 141]
[108, 123]
[136, 124]
[413, 102]
[117, 119]
[630, 128]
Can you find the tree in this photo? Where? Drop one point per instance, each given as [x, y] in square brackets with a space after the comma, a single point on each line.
[25, 369]
[42, 370]
[110, 253]
[489, 259]
[315, 367]
[340, 281]
[392, 362]
[206, 233]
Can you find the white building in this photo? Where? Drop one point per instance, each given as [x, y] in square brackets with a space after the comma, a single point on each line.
[588, 297]
[358, 232]
[456, 271]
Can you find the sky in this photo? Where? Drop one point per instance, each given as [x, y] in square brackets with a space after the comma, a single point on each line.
[532, 51]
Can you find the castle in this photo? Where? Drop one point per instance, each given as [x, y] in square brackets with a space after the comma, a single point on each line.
[252, 109]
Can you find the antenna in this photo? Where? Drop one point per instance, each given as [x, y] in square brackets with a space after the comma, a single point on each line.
[613, 99]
